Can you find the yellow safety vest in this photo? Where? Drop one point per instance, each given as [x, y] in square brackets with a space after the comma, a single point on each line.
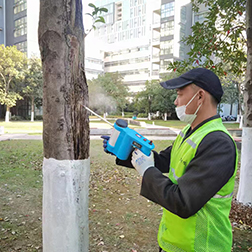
[209, 230]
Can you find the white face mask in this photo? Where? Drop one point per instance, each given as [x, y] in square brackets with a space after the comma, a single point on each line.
[181, 114]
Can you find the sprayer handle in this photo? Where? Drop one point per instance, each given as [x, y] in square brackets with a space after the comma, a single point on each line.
[105, 144]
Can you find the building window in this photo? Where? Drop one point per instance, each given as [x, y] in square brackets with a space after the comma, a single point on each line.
[22, 46]
[182, 31]
[20, 27]
[183, 14]
[20, 5]
[182, 53]
[166, 47]
[200, 17]
[167, 10]
[167, 28]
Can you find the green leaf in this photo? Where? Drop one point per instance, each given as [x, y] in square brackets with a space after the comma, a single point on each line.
[100, 19]
[91, 5]
[103, 10]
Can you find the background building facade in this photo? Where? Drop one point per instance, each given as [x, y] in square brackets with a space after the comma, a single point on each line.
[141, 37]
[138, 40]
[19, 25]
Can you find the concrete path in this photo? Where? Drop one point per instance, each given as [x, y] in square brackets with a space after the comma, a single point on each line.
[152, 132]
[7, 137]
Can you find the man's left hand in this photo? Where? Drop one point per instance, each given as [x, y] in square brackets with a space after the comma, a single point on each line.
[141, 162]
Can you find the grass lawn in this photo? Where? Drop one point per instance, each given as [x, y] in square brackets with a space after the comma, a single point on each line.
[180, 125]
[25, 127]
[120, 219]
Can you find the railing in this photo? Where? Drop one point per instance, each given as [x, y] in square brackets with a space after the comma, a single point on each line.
[155, 72]
[155, 39]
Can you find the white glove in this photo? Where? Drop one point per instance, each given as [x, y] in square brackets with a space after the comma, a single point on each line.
[141, 162]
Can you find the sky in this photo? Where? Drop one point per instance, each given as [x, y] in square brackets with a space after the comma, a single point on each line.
[92, 44]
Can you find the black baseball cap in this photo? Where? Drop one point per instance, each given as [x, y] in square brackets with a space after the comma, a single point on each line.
[202, 77]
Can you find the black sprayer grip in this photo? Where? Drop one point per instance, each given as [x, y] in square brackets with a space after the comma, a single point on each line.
[121, 123]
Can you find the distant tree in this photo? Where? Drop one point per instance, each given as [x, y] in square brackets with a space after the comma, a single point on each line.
[164, 101]
[165, 98]
[231, 90]
[111, 89]
[33, 82]
[12, 67]
[219, 42]
[144, 99]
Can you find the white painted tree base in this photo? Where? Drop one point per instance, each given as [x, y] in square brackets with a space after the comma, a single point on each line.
[65, 205]
[245, 184]
[7, 116]
[32, 116]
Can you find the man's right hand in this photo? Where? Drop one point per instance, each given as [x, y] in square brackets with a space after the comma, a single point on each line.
[105, 143]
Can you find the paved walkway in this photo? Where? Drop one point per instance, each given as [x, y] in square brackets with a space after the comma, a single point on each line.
[7, 137]
[153, 132]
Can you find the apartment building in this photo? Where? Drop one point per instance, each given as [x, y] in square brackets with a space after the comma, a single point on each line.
[126, 40]
[19, 24]
[176, 22]
[140, 37]
[94, 58]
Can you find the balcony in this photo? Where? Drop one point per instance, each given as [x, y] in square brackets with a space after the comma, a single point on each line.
[156, 25]
[156, 58]
[156, 42]
[155, 74]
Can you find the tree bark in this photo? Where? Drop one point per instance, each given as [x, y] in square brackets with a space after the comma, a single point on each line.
[231, 108]
[32, 109]
[66, 165]
[245, 187]
[61, 40]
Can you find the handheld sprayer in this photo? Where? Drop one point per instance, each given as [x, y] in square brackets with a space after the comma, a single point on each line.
[123, 139]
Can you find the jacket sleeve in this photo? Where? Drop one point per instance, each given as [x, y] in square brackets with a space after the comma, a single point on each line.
[162, 160]
[210, 169]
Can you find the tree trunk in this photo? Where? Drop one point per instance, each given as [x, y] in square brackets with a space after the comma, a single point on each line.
[32, 109]
[231, 108]
[7, 114]
[245, 186]
[66, 165]
[149, 116]
[239, 114]
[165, 116]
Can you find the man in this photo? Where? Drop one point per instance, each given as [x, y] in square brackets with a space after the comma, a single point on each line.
[201, 165]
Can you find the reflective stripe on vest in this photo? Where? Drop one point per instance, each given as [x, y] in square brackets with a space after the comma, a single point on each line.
[173, 173]
[217, 196]
[190, 142]
[181, 134]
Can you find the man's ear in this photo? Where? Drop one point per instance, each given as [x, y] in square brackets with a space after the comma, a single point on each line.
[202, 94]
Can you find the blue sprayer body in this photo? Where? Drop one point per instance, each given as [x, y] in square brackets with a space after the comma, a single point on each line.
[123, 140]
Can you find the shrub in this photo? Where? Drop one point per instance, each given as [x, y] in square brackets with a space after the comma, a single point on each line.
[16, 118]
[39, 118]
